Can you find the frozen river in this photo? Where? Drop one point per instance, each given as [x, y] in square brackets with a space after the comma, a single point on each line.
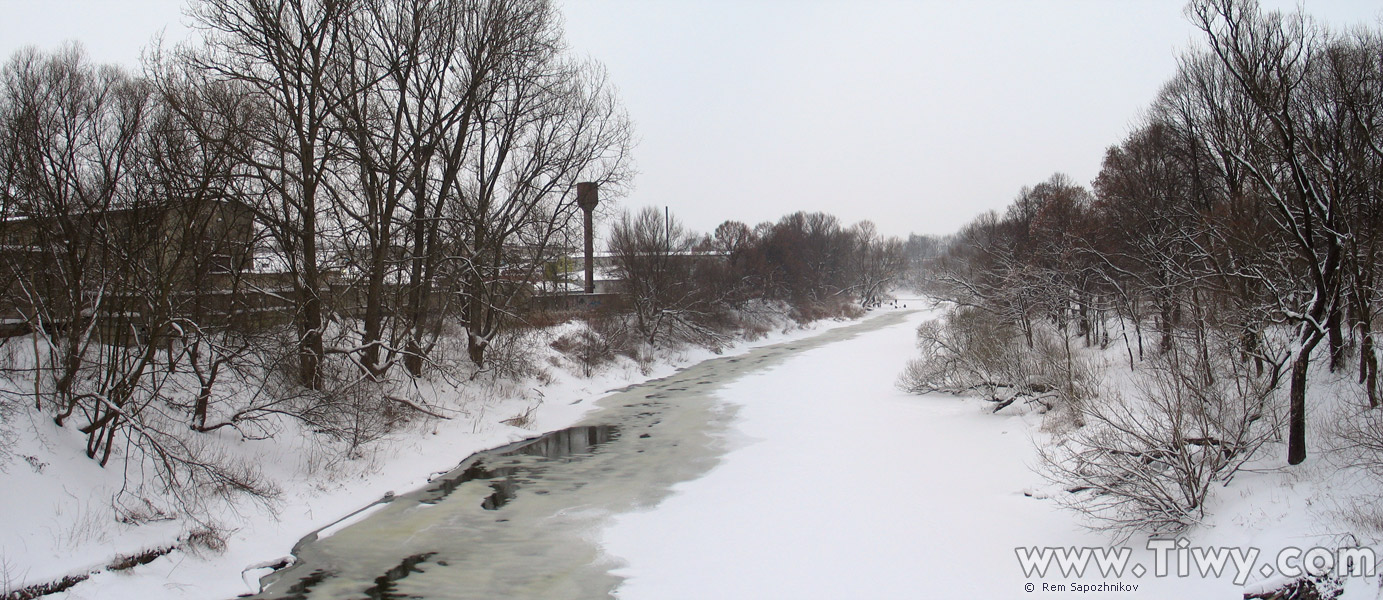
[525, 521]
[795, 470]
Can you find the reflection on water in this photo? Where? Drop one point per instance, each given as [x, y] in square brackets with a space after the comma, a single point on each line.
[300, 588]
[385, 585]
[518, 521]
[429, 527]
[507, 476]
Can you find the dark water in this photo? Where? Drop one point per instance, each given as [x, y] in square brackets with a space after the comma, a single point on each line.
[523, 521]
[506, 472]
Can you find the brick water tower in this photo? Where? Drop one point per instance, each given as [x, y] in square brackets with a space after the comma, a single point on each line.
[587, 197]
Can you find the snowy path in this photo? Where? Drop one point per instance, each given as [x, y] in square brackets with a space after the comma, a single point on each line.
[840, 486]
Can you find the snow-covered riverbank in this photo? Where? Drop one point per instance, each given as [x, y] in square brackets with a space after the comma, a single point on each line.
[832, 484]
[58, 520]
[517, 523]
[841, 486]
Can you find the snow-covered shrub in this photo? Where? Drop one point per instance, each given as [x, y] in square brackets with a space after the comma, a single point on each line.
[835, 307]
[972, 351]
[133, 397]
[585, 347]
[618, 333]
[511, 354]
[1358, 440]
[9, 408]
[352, 413]
[965, 351]
[1146, 461]
[1362, 440]
[204, 539]
[755, 318]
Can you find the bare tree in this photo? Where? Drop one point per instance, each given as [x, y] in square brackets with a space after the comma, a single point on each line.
[655, 262]
[1269, 58]
[198, 131]
[71, 132]
[541, 131]
[1147, 464]
[1351, 83]
[402, 61]
[877, 263]
[467, 132]
[286, 54]
[116, 217]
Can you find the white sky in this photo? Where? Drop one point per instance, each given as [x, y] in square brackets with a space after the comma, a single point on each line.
[917, 115]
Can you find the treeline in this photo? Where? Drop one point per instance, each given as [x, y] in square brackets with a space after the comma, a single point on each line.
[320, 202]
[308, 203]
[1234, 231]
[685, 286]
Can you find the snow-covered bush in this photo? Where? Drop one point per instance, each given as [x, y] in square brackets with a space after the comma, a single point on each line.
[836, 307]
[1146, 461]
[1364, 434]
[584, 347]
[512, 354]
[1358, 440]
[353, 415]
[10, 406]
[142, 405]
[972, 351]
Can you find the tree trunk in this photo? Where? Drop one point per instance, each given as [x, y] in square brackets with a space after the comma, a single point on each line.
[1296, 422]
[374, 316]
[1164, 344]
[199, 407]
[310, 347]
[420, 282]
[1083, 322]
[1334, 325]
[475, 347]
[1368, 357]
[1368, 368]
[1027, 329]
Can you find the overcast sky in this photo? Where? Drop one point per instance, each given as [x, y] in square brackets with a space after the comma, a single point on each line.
[917, 115]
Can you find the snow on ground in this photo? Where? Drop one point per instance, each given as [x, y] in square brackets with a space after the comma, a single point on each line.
[841, 486]
[844, 487]
[837, 486]
[58, 520]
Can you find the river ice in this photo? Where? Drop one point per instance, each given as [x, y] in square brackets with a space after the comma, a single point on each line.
[795, 470]
[521, 521]
[837, 485]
